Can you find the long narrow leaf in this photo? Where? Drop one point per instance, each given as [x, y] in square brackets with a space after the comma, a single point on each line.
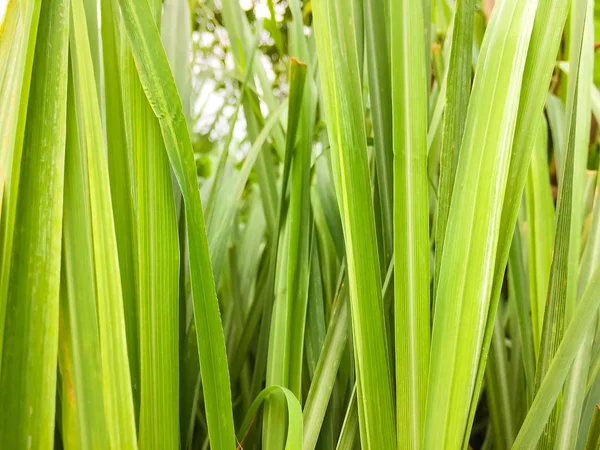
[465, 281]
[411, 210]
[336, 49]
[31, 332]
[160, 88]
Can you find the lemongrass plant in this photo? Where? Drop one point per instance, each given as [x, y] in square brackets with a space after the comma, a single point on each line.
[400, 249]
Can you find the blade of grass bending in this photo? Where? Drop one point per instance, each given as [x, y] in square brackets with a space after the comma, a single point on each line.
[12, 129]
[118, 402]
[543, 404]
[161, 91]
[540, 221]
[456, 104]
[28, 380]
[293, 439]
[336, 48]
[411, 219]
[561, 292]
[549, 22]
[472, 234]
[84, 419]
[121, 178]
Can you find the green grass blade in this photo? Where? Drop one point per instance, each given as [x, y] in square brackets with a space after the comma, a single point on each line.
[555, 111]
[562, 284]
[327, 218]
[549, 22]
[157, 274]
[298, 264]
[293, 439]
[378, 67]
[160, 88]
[28, 378]
[279, 366]
[286, 348]
[456, 104]
[411, 220]
[472, 235]
[540, 221]
[593, 438]
[84, 422]
[330, 362]
[344, 113]
[575, 387]
[591, 255]
[326, 371]
[220, 218]
[121, 179]
[10, 42]
[499, 397]
[251, 245]
[517, 279]
[583, 318]
[118, 400]
[348, 434]
[12, 121]
[587, 414]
